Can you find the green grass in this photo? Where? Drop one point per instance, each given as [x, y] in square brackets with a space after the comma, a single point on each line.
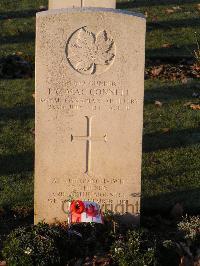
[177, 29]
[16, 143]
[17, 24]
[171, 160]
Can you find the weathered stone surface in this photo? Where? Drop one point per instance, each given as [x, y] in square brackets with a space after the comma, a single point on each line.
[102, 3]
[89, 110]
[56, 4]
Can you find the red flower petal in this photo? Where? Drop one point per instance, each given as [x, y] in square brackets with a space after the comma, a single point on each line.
[77, 206]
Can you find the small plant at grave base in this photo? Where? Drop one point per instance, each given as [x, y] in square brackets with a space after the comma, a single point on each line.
[46, 245]
[134, 249]
[40, 245]
[187, 241]
[190, 228]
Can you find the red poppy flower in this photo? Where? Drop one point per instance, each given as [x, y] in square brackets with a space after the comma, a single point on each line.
[77, 206]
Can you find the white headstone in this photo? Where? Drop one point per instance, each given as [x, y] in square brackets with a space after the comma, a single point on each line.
[89, 110]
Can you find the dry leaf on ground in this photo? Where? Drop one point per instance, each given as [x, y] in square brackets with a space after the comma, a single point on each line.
[176, 8]
[169, 11]
[19, 53]
[166, 45]
[185, 261]
[42, 8]
[195, 106]
[165, 130]
[156, 71]
[196, 67]
[197, 263]
[184, 72]
[158, 103]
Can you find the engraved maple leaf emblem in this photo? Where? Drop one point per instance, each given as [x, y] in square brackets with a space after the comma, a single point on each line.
[88, 51]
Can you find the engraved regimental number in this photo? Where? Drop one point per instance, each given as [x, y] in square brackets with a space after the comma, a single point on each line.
[89, 53]
[89, 139]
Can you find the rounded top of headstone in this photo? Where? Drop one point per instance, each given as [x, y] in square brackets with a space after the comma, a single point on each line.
[57, 4]
[91, 10]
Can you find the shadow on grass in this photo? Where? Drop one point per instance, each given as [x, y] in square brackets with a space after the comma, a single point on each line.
[18, 14]
[23, 37]
[171, 139]
[17, 113]
[17, 163]
[163, 203]
[148, 3]
[167, 93]
[179, 52]
[171, 24]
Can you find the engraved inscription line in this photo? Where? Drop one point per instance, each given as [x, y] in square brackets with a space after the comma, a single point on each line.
[89, 138]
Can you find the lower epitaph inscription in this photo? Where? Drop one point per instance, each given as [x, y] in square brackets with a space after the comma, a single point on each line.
[96, 189]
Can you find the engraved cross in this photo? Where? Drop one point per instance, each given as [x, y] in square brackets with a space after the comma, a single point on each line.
[89, 139]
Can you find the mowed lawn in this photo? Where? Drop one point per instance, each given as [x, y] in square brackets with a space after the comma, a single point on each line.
[171, 143]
